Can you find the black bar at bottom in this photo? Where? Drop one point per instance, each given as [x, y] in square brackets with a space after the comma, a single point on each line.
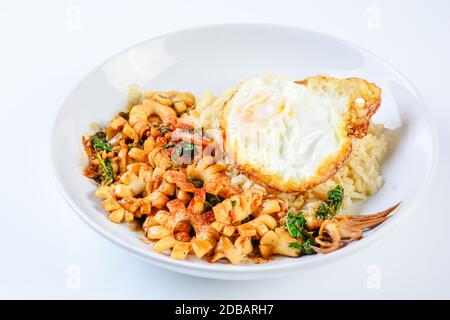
[215, 309]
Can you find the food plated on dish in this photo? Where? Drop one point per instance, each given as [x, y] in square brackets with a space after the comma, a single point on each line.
[266, 169]
[186, 60]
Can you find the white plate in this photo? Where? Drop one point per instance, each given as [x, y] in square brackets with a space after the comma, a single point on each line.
[214, 58]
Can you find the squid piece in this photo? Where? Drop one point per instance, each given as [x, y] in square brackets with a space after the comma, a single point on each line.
[234, 252]
[179, 251]
[105, 192]
[177, 222]
[239, 207]
[277, 242]
[190, 137]
[140, 113]
[340, 230]
[215, 181]
[205, 236]
[258, 226]
[158, 159]
[179, 178]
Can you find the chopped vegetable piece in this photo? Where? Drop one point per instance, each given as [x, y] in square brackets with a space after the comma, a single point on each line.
[196, 183]
[296, 227]
[211, 201]
[125, 115]
[164, 130]
[331, 207]
[107, 172]
[99, 142]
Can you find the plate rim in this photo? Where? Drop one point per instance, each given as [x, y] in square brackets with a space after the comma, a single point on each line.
[228, 271]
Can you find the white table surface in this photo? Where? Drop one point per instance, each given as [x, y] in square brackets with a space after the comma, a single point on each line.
[46, 47]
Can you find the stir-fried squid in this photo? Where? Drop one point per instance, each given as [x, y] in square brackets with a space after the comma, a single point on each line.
[152, 168]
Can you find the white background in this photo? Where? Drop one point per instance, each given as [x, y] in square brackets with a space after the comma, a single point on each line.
[46, 47]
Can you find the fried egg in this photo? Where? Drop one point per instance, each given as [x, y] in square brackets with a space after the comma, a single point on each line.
[293, 135]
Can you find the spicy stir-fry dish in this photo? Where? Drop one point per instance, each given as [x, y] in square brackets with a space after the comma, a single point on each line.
[265, 169]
